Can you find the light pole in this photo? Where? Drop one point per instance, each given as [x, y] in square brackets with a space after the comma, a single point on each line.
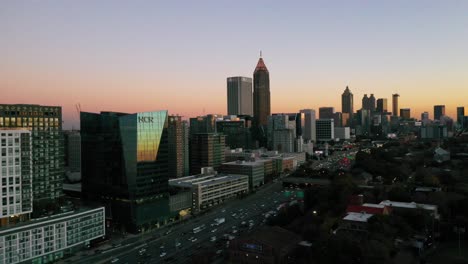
[459, 230]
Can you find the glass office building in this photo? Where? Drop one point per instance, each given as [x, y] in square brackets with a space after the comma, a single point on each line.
[125, 167]
[45, 125]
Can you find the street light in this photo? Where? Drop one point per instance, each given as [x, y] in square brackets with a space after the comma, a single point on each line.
[459, 230]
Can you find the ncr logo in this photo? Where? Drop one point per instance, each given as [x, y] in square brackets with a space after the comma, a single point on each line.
[145, 119]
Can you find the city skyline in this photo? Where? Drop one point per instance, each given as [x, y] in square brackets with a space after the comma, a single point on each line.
[128, 60]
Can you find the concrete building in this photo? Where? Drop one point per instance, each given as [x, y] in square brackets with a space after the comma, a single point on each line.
[405, 113]
[206, 150]
[239, 96]
[48, 239]
[178, 143]
[325, 129]
[16, 176]
[326, 112]
[281, 132]
[210, 188]
[308, 121]
[254, 169]
[342, 133]
[439, 111]
[237, 133]
[45, 125]
[395, 104]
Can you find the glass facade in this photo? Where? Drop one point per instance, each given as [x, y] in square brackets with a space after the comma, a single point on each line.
[125, 166]
[45, 124]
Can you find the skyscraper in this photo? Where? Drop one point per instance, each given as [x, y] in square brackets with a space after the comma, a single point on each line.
[405, 113]
[347, 105]
[125, 166]
[178, 141]
[382, 105]
[308, 122]
[45, 124]
[239, 96]
[371, 103]
[206, 150]
[326, 112]
[425, 118]
[395, 104]
[365, 102]
[439, 111]
[261, 94]
[460, 115]
[72, 150]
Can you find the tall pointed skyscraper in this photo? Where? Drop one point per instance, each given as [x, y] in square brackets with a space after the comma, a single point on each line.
[261, 94]
[347, 106]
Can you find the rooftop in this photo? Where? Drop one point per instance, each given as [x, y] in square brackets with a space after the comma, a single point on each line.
[203, 180]
[358, 217]
[411, 205]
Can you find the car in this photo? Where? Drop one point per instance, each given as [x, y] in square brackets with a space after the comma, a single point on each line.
[163, 254]
[219, 252]
[114, 260]
[191, 238]
[194, 240]
[161, 247]
[214, 230]
[224, 210]
[234, 231]
[213, 239]
[178, 244]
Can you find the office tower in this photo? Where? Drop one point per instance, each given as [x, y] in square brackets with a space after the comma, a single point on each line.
[347, 104]
[282, 132]
[261, 94]
[395, 104]
[363, 123]
[178, 141]
[237, 133]
[405, 113]
[326, 112]
[371, 103]
[425, 118]
[72, 147]
[382, 105]
[206, 150]
[365, 102]
[125, 166]
[239, 96]
[460, 115]
[204, 124]
[325, 129]
[16, 175]
[439, 111]
[308, 124]
[338, 118]
[45, 125]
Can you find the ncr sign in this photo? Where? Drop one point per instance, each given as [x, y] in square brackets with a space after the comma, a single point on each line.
[145, 119]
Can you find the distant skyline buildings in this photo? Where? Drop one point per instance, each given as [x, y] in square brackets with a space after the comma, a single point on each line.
[395, 104]
[261, 94]
[326, 112]
[382, 106]
[347, 104]
[439, 111]
[239, 96]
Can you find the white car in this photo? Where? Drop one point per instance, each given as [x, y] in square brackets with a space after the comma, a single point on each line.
[178, 244]
[161, 247]
[214, 230]
[195, 239]
[163, 254]
[114, 260]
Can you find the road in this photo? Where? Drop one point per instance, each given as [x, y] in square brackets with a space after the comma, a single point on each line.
[149, 248]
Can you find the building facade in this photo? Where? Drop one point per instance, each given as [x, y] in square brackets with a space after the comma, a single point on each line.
[395, 104]
[45, 125]
[239, 96]
[405, 113]
[206, 150]
[72, 150]
[325, 129]
[439, 111]
[460, 115]
[255, 170]
[237, 133]
[178, 141]
[326, 112]
[382, 105]
[261, 94]
[125, 167]
[50, 239]
[347, 105]
[308, 129]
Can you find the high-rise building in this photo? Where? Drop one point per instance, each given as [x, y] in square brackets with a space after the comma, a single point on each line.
[326, 112]
[395, 104]
[261, 94]
[347, 104]
[239, 96]
[439, 111]
[365, 102]
[338, 118]
[382, 105]
[425, 118]
[405, 113]
[325, 129]
[460, 115]
[125, 166]
[308, 124]
[16, 175]
[237, 133]
[178, 141]
[206, 150]
[72, 146]
[371, 103]
[204, 124]
[45, 124]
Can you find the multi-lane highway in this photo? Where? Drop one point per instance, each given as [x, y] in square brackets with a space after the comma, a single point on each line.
[181, 242]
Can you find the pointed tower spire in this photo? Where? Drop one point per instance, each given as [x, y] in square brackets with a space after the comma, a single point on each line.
[260, 53]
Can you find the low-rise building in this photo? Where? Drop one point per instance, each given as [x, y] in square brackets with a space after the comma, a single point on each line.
[254, 169]
[402, 206]
[210, 188]
[356, 222]
[48, 239]
[269, 245]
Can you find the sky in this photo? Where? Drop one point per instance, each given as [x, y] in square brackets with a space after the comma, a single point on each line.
[136, 56]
